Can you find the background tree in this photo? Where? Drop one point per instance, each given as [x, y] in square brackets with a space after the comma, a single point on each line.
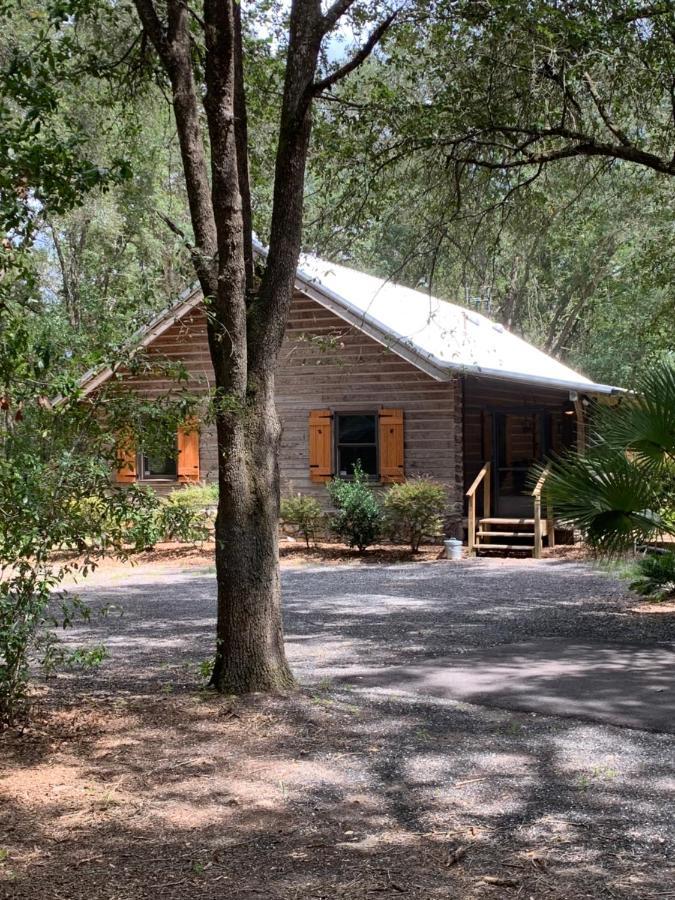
[563, 244]
[533, 83]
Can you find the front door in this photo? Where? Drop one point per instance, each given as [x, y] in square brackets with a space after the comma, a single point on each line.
[520, 441]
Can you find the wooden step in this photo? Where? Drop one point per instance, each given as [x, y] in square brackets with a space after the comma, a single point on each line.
[506, 521]
[524, 548]
[518, 534]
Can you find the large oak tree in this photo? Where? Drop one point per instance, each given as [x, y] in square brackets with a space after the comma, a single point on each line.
[201, 52]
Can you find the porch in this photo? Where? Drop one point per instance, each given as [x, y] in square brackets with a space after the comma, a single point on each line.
[509, 432]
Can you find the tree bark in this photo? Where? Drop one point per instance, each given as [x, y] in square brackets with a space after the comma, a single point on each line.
[250, 648]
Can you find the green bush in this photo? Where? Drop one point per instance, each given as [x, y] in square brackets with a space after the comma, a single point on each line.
[185, 514]
[304, 513]
[414, 510]
[175, 522]
[655, 576]
[135, 523]
[358, 518]
[148, 518]
[200, 497]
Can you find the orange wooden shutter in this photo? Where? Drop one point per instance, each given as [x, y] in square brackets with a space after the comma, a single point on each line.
[320, 444]
[126, 458]
[188, 452]
[391, 445]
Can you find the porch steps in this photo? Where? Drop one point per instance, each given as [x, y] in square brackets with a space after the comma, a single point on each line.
[522, 548]
[519, 531]
[488, 521]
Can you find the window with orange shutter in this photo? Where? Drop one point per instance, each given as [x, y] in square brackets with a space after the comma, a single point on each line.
[337, 440]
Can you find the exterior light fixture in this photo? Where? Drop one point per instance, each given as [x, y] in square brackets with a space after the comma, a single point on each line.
[569, 409]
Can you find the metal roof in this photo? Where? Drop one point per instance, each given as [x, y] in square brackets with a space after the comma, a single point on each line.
[444, 338]
[438, 337]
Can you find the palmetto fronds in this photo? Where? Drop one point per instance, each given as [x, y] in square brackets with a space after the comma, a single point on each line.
[655, 576]
[644, 423]
[623, 490]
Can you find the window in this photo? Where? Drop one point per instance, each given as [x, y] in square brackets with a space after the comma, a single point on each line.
[356, 439]
[157, 465]
[336, 440]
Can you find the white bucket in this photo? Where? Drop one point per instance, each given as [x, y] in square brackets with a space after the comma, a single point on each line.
[453, 548]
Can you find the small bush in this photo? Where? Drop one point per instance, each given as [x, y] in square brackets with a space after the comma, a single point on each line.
[303, 513]
[185, 514]
[175, 522]
[201, 497]
[655, 576]
[414, 510]
[133, 523]
[358, 519]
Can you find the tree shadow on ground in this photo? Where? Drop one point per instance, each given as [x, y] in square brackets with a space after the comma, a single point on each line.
[327, 795]
[135, 784]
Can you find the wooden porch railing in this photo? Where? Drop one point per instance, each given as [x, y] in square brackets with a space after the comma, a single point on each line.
[550, 524]
[484, 478]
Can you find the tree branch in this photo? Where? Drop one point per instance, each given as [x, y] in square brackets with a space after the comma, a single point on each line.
[335, 12]
[358, 58]
[152, 24]
[521, 154]
[173, 46]
[604, 113]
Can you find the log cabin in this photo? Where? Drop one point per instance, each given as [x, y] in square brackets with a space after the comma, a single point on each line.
[408, 384]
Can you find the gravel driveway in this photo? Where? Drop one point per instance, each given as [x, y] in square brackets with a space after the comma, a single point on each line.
[591, 802]
[547, 636]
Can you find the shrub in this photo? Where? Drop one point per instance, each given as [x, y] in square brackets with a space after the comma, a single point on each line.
[135, 523]
[304, 513]
[200, 497]
[655, 576]
[48, 505]
[414, 510]
[185, 514]
[175, 522]
[358, 518]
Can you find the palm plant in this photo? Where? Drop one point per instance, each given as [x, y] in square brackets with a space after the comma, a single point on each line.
[622, 490]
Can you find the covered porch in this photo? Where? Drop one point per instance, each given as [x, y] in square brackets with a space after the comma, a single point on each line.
[509, 430]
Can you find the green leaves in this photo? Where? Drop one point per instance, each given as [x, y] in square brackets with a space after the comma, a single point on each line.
[304, 513]
[415, 509]
[655, 576]
[623, 490]
[644, 424]
[358, 517]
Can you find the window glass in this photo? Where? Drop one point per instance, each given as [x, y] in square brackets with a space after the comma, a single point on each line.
[158, 465]
[357, 441]
[356, 429]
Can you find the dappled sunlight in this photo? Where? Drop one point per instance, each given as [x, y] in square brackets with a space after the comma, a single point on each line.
[420, 759]
[249, 794]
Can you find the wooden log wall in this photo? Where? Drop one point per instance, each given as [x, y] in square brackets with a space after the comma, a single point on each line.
[484, 396]
[325, 363]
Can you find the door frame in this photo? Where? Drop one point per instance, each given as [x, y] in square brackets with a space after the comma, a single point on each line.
[543, 415]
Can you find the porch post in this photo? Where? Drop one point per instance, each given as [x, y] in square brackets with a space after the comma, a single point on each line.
[581, 425]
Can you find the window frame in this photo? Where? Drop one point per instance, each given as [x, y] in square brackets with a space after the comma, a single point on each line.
[375, 415]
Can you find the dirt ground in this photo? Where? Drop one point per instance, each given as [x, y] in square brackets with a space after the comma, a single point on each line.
[294, 553]
[138, 783]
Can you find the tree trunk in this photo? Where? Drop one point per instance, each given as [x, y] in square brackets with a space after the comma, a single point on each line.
[249, 650]
[245, 327]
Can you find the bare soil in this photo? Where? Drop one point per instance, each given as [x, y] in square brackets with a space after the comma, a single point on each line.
[293, 552]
